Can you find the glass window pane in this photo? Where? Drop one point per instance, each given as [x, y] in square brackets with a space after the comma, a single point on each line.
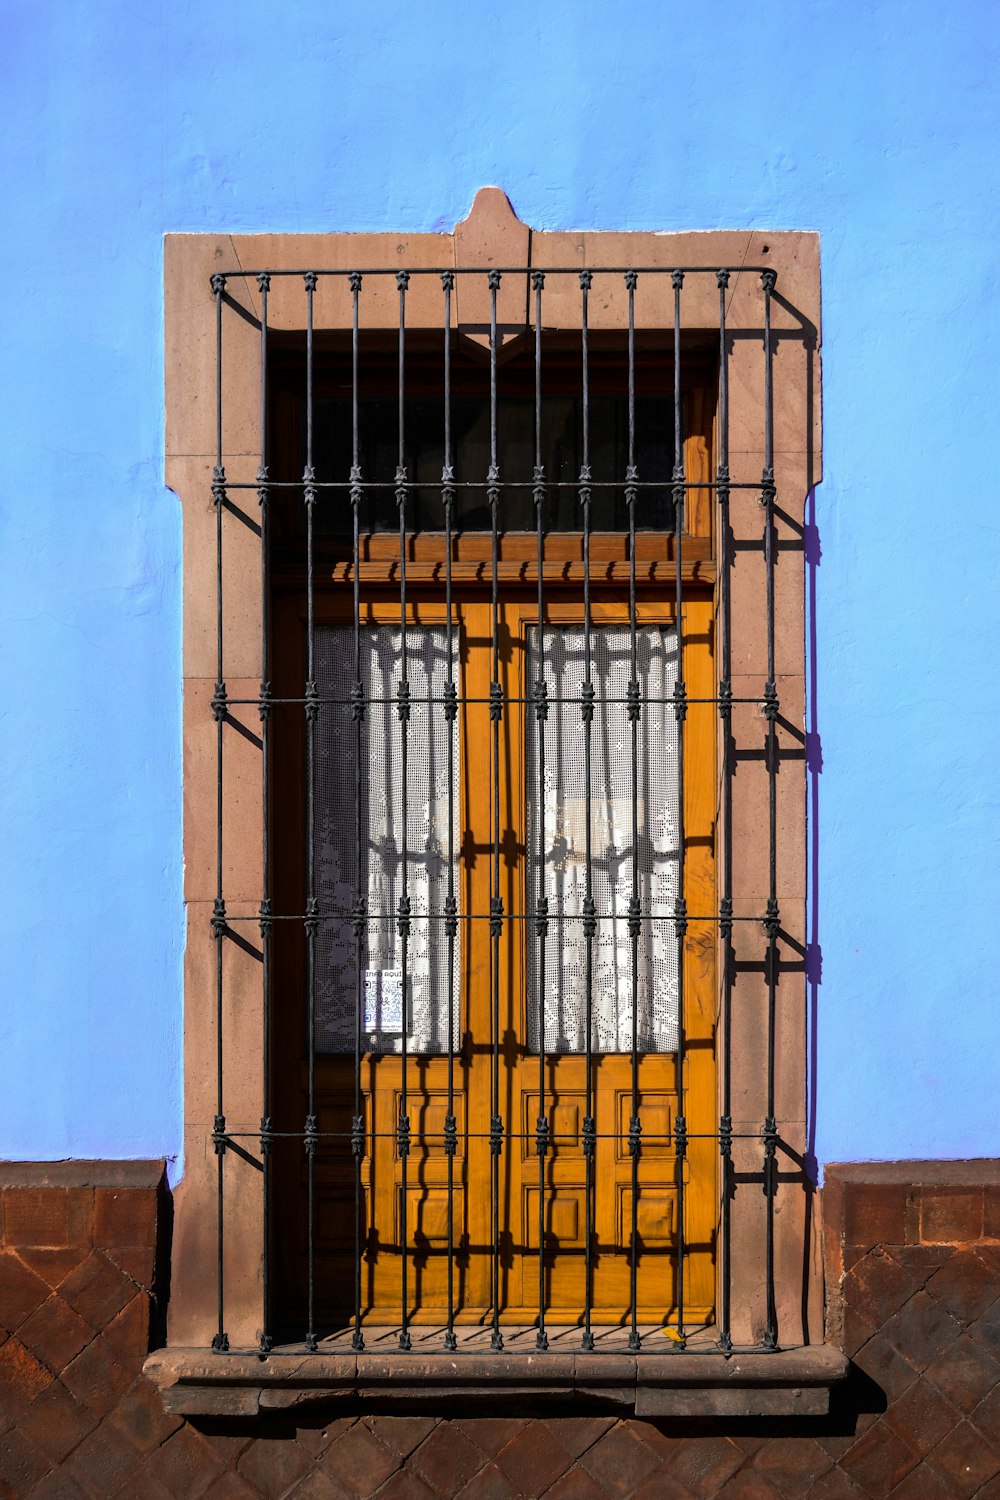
[561, 457]
[382, 814]
[563, 812]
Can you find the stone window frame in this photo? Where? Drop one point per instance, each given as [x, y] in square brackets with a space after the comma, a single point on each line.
[490, 235]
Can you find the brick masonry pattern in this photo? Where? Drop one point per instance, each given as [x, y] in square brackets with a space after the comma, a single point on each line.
[914, 1278]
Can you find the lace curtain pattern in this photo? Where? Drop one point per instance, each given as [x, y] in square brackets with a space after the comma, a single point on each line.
[563, 875]
[382, 814]
[563, 878]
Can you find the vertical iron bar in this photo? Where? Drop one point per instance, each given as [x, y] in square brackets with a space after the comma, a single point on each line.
[403, 920]
[634, 906]
[589, 916]
[220, 1342]
[312, 908]
[541, 901]
[680, 713]
[496, 899]
[451, 713]
[360, 882]
[772, 920]
[266, 921]
[726, 904]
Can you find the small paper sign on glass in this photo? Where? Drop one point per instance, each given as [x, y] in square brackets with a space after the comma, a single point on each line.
[384, 1001]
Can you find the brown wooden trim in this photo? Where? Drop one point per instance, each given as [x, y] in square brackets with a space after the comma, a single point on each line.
[557, 575]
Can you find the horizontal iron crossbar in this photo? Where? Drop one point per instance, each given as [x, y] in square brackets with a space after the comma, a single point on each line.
[346, 914]
[481, 485]
[484, 273]
[648, 1137]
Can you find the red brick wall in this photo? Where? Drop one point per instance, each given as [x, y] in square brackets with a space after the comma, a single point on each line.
[914, 1294]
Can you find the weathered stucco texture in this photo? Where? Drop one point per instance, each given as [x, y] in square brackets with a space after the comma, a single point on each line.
[913, 1262]
[875, 128]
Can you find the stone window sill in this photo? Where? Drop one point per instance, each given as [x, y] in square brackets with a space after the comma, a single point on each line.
[692, 1382]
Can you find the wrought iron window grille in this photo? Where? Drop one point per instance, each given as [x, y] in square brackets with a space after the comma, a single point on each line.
[671, 565]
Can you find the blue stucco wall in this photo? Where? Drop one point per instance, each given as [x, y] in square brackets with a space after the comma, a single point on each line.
[873, 122]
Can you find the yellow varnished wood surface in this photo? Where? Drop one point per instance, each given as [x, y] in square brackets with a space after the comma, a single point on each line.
[564, 1177]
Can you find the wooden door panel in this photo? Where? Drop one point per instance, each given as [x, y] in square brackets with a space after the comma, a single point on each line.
[565, 1101]
[565, 1074]
[564, 1113]
[657, 1113]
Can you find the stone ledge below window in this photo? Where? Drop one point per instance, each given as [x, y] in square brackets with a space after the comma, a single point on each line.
[793, 1382]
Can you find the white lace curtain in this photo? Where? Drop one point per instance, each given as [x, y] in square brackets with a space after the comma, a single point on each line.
[425, 1012]
[563, 877]
[382, 814]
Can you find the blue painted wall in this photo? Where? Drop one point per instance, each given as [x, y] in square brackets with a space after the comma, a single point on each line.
[871, 121]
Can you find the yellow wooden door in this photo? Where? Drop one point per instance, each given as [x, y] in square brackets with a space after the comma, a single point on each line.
[560, 1185]
[416, 1088]
[562, 1180]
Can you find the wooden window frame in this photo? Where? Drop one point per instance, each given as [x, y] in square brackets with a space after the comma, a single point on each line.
[492, 235]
